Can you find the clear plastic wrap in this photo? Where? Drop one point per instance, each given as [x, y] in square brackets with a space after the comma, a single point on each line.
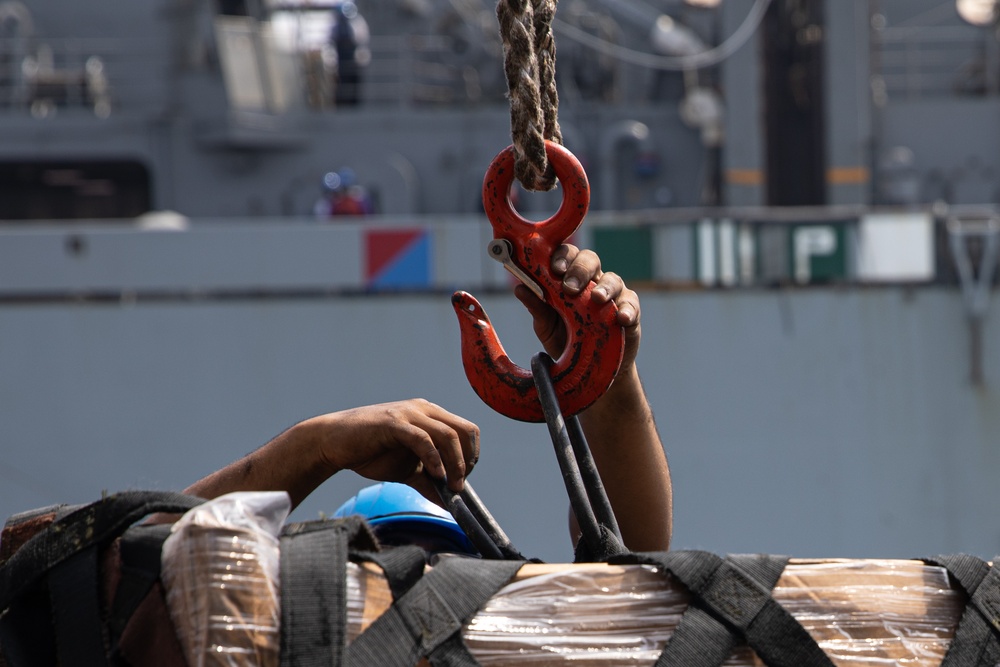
[220, 569]
[604, 615]
[863, 613]
[221, 572]
[873, 612]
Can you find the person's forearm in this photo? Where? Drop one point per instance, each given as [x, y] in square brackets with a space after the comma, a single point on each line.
[628, 452]
[289, 463]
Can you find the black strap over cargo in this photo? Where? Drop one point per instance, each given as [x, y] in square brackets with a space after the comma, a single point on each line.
[977, 638]
[76, 610]
[63, 559]
[427, 621]
[731, 603]
[141, 548]
[94, 524]
[403, 566]
[702, 641]
[314, 589]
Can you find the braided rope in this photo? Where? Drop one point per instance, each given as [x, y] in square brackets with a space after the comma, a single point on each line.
[529, 66]
[545, 50]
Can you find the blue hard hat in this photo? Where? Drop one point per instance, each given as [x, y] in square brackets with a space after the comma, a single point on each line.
[347, 176]
[400, 515]
[332, 181]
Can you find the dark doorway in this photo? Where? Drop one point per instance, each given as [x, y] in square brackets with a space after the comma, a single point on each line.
[73, 190]
[794, 103]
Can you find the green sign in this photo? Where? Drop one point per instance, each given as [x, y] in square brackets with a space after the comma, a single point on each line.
[818, 253]
[628, 251]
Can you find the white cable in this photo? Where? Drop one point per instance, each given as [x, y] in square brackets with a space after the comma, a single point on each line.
[706, 58]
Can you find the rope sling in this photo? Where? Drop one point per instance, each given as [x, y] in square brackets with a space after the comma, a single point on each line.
[529, 63]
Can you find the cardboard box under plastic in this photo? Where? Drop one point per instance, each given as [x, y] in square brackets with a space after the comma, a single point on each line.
[863, 613]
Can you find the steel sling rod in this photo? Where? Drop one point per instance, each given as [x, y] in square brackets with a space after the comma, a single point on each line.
[591, 477]
[476, 521]
[573, 455]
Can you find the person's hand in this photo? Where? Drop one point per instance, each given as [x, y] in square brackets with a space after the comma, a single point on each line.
[399, 442]
[578, 267]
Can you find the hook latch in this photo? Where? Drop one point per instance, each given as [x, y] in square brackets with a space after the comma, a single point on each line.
[501, 250]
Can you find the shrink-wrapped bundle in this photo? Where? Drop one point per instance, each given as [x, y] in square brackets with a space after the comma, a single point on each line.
[220, 570]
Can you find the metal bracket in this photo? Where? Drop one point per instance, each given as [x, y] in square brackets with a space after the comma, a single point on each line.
[976, 285]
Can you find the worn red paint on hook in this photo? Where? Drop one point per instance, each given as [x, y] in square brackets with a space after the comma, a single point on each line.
[595, 341]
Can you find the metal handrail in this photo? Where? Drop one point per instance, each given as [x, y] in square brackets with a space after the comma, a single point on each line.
[39, 74]
[930, 61]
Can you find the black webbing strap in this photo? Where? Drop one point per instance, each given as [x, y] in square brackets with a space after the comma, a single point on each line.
[76, 610]
[732, 602]
[65, 556]
[976, 642]
[702, 641]
[403, 566]
[314, 592]
[94, 524]
[427, 621]
[601, 545]
[140, 551]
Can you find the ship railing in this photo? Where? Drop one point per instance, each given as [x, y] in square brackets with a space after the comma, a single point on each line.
[917, 62]
[42, 77]
[420, 70]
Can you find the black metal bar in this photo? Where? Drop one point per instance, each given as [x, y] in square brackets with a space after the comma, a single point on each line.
[489, 524]
[479, 537]
[591, 477]
[578, 496]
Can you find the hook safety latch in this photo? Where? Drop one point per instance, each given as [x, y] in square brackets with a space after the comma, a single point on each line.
[595, 342]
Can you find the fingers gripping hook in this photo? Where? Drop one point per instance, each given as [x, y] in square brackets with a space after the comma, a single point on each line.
[595, 341]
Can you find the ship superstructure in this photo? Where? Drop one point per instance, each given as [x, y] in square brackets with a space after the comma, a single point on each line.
[805, 192]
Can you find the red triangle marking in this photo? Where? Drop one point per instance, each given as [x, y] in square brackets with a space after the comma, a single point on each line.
[385, 246]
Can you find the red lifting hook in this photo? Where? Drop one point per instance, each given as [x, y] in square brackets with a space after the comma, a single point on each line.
[595, 341]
